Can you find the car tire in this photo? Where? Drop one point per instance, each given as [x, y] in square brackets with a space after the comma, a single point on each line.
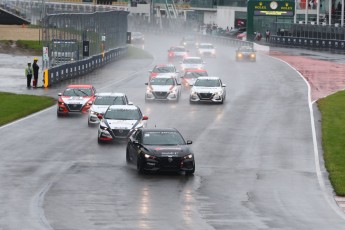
[59, 114]
[140, 167]
[88, 123]
[191, 172]
[128, 159]
[99, 141]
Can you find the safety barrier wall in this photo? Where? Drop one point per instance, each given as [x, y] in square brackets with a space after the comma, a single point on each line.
[201, 37]
[79, 68]
[314, 43]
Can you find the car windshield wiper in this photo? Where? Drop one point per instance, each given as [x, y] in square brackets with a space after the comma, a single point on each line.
[79, 90]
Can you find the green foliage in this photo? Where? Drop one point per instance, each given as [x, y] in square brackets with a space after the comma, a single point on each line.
[15, 106]
[333, 138]
[137, 53]
[36, 46]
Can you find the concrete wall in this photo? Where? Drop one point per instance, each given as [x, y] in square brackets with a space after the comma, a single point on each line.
[226, 16]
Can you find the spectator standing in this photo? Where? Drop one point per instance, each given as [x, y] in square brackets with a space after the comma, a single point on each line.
[268, 33]
[28, 74]
[35, 68]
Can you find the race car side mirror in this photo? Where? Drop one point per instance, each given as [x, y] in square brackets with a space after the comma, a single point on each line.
[223, 85]
[59, 94]
[130, 103]
[189, 142]
[145, 118]
[100, 116]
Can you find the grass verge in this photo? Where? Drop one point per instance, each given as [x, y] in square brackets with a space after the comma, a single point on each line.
[15, 106]
[137, 53]
[333, 135]
[35, 46]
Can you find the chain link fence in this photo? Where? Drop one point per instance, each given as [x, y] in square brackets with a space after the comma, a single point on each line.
[76, 44]
[74, 37]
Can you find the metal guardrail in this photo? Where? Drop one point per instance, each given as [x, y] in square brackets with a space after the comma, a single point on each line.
[75, 69]
[311, 43]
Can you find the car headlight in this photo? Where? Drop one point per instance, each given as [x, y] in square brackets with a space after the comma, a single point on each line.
[103, 128]
[252, 55]
[174, 90]
[219, 93]
[189, 156]
[185, 43]
[93, 113]
[239, 55]
[147, 156]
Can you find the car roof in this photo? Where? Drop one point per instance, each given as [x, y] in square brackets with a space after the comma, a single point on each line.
[129, 107]
[110, 94]
[195, 70]
[192, 58]
[182, 47]
[79, 86]
[164, 76]
[164, 65]
[159, 129]
[209, 78]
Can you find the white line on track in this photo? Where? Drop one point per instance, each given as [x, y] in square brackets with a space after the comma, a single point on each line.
[320, 179]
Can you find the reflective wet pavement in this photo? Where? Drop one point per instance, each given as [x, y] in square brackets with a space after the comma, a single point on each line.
[325, 71]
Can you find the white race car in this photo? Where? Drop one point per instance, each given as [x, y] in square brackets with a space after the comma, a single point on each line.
[206, 49]
[192, 63]
[208, 89]
[119, 121]
[163, 88]
[102, 102]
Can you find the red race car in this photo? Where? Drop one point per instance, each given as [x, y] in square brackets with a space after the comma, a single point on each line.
[190, 75]
[76, 99]
[163, 70]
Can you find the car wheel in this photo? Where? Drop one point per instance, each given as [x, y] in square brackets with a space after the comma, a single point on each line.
[59, 114]
[88, 123]
[99, 141]
[140, 167]
[191, 172]
[128, 158]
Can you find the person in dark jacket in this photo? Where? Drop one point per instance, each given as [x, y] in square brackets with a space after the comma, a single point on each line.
[35, 68]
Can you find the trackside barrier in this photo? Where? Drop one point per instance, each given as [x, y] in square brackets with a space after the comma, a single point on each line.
[75, 69]
[316, 43]
[201, 37]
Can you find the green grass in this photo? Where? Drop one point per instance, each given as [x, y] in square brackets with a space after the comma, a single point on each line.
[333, 138]
[15, 106]
[137, 53]
[35, 46]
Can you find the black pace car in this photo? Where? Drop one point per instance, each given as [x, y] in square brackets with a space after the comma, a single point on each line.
[160, 150]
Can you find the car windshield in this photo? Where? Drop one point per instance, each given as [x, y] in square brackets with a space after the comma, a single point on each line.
[79, 92]
[136, 34]
[122, 114]
[206, 47]
[162, 81]
[164, 69]
[195, 74]
[207, 82]
[246, 49]
[163, 138]
[110, 100]
[178, 49]
[192, 61]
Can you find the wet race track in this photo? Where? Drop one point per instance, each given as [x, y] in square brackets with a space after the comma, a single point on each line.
[255, 159]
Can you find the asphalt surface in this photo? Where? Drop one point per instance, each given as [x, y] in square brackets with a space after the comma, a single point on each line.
[255, 157]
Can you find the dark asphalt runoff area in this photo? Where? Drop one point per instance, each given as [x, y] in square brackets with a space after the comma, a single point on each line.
[256, 166]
